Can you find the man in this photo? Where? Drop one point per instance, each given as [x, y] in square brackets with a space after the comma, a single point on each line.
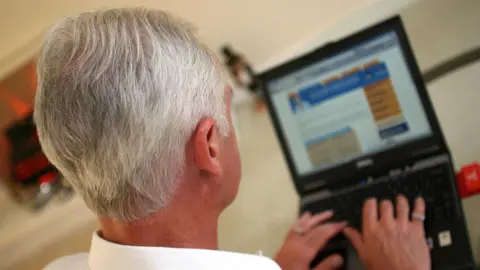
[135, 112]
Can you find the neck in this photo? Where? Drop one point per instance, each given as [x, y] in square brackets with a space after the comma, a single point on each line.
[178, 227]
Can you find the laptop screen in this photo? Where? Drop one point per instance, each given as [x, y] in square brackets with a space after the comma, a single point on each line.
[350, 105]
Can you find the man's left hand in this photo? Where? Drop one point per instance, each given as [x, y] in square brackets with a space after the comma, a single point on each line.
[305, 239]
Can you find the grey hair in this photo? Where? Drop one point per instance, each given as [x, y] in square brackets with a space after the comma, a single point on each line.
[119, 94]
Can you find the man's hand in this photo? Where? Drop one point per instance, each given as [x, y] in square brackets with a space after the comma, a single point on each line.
[389, 243]
[306, 238]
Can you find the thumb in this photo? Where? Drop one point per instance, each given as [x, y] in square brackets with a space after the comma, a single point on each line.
[355, 238]
[331, 262]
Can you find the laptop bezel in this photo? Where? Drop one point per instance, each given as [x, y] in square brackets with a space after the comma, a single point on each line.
[350, 173]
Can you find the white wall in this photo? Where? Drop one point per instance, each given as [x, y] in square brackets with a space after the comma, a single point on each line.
[437, 28]
[348, 23]
[258, 28]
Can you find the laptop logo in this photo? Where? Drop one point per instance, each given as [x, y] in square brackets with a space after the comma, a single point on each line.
[364, 163]
[313, 185]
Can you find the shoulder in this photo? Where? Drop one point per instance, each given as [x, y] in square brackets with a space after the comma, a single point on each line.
[73, 262]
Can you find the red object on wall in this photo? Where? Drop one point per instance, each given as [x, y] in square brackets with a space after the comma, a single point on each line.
[469, 180]
[47, 178]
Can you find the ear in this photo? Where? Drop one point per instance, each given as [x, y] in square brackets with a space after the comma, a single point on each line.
[207, 142]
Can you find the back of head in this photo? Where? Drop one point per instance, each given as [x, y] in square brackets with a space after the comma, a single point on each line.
[120, 92]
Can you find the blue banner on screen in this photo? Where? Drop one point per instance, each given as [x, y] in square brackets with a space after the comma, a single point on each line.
[318, 93]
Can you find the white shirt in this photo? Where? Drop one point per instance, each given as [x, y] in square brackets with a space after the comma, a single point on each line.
[106, 255]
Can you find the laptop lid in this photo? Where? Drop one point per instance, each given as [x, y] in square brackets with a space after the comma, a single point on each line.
[352, 108]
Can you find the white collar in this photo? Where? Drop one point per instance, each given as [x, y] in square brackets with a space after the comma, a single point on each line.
[107, 255]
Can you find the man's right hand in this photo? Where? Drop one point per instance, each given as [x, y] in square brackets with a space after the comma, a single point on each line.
[388, 242]
[306, 238]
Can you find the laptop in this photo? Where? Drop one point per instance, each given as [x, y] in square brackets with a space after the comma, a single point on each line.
[355, 121]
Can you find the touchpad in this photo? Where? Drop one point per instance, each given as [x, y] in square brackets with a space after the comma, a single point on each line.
[342, 248]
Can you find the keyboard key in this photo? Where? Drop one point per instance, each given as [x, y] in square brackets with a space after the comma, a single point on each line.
[438, 213]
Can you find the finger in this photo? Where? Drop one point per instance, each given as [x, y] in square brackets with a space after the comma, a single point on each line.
[386, 212]
[402, 210]
[419, 209]
[302, 221]
[355, 238]
[331, 262]
[318, 237]
[305, 217]
[370, 214]
[318, 218]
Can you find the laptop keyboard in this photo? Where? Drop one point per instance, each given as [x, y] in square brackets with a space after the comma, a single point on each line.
[433, 184]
